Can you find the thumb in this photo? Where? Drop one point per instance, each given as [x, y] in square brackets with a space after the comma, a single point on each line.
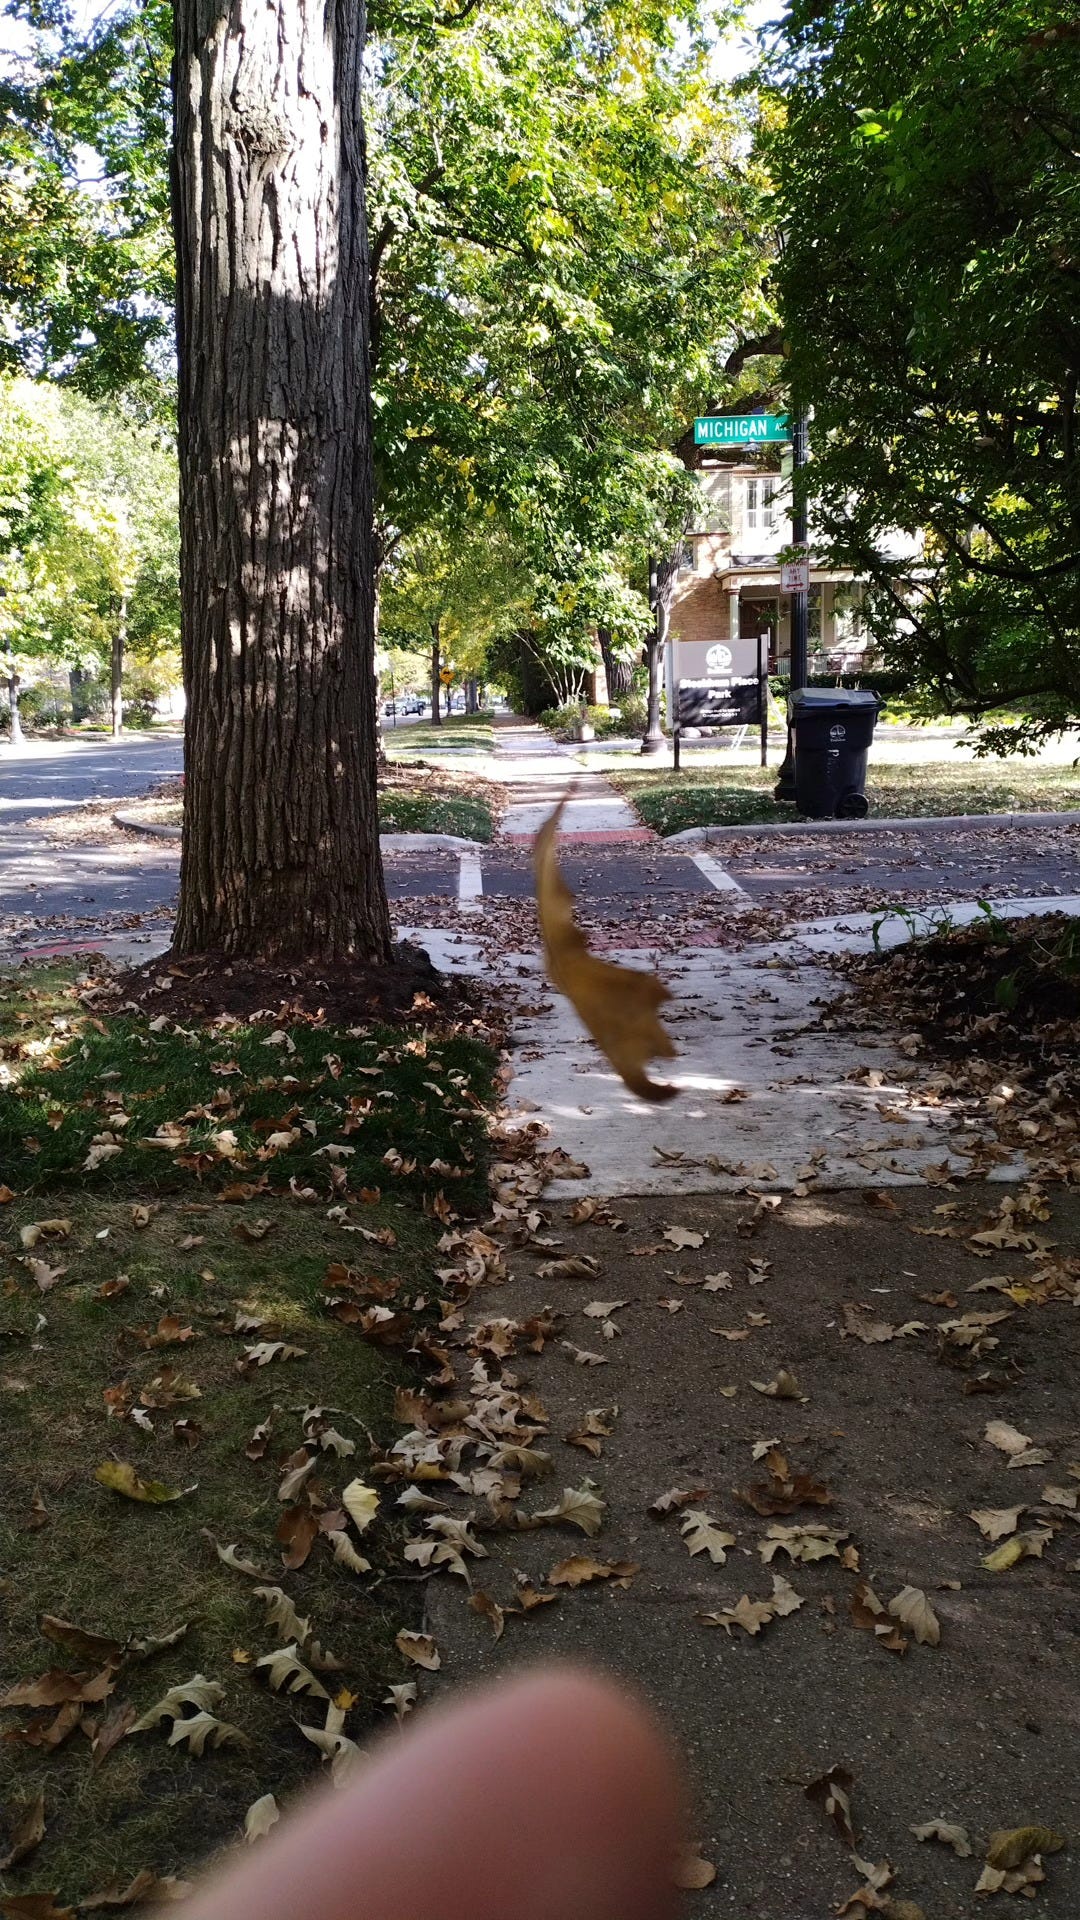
[548, 1797]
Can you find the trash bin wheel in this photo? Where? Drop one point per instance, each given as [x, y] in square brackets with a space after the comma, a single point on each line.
[852, 806]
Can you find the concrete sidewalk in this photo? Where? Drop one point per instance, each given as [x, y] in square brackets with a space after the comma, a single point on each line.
[538, 771]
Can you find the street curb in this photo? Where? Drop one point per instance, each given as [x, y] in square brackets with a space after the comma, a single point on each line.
[922, 823]
[388, 842]
[148, 827]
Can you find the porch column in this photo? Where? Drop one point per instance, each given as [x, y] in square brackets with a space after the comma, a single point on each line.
[733, 613]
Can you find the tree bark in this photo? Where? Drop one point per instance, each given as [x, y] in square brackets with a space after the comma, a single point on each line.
[281, 849]
[436, 683]
[666, 571]
[13, 710]
[116, 669]
[620, 677]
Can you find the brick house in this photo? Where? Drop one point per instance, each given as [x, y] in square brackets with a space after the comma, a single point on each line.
[728, 584]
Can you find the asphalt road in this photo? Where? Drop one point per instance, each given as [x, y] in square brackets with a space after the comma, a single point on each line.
[76, 888]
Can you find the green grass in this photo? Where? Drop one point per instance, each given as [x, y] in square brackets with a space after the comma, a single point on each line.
[191, 1261]
[467, 817]
[742, 795]
[472, 730]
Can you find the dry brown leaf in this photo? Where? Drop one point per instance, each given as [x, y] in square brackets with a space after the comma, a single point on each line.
[949, 1835]
[783, 1387]
[26, 1831]
[753, 1615]
[580, 1569]
[912, 1607]
[420, 1648]
[262, 1814]
[57, 1685]
[801, 1543]
[832, 1792]
[675, 1499]
[77, 1640]
[995, 1522]
[1007, 1439]
[34, 1906]
[489, 1610]
[702, 1535]
[618, 1005]
[578, 1507]
[691, 1872]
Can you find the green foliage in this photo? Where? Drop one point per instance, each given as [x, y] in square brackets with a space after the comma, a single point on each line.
[928, 170]
[88, 530]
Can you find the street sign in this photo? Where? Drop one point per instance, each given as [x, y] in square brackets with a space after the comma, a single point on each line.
[723, 700]
[795, 575]
[740, 429]
[446, 674]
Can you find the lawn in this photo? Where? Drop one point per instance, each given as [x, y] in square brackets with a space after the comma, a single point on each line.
[727, 795]
[465, 815]
[214, 1248]
[458, 732]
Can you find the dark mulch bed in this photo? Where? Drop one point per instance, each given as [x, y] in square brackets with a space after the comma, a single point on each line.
[409, 992]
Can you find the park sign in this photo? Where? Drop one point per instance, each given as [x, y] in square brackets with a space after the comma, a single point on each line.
[740, 429]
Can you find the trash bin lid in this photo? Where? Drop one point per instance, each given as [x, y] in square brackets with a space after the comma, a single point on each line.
[823, 699]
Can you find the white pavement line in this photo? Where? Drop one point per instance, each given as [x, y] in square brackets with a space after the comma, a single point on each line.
[716, 876]
[470, 884]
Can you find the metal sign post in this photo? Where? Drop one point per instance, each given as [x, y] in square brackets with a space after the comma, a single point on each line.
[763, 693]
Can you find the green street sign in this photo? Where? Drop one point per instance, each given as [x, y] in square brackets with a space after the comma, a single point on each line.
[740, 429]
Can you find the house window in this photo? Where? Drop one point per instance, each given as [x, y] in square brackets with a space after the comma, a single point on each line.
[760, 495]
[687, 557]
[813, 617]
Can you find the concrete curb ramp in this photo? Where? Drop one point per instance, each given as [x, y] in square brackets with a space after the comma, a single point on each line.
[389, 842]
[921, 823]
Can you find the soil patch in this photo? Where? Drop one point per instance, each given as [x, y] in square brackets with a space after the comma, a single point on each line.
[894, 1378]
[410, 991]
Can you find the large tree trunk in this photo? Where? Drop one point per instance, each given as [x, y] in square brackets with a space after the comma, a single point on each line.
[13, 710]
[281, 848]
[116, 669]
[436, 683]
[620, 676]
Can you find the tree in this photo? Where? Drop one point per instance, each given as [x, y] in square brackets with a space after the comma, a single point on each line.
[88, 534]
[281, 848]
[928, 175]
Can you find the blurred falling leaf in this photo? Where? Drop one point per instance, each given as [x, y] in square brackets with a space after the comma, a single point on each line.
[691, 1872]
[618, 1005]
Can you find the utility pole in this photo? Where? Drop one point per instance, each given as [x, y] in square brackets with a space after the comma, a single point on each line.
[800, 453]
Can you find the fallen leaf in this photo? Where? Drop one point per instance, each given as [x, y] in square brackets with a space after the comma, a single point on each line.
[281, 1614]
[287, 1673]
[702, 1535]
[111, 1730]
[801, 1543]
[784, 1387]
[34, 1906]
[26, 1831]
[262, 1814]
[995, 1522]
[145, 1886]
[1022, 1546]
[619, 1006]
[949, 1835]
[1007, 1439]
[361, 1503]
[581, 1569]
[198, 1692]
[296, 1531]
[912, 1607]
[675, 1499]
[44, 1230]
[230, 1557]
[832, 1792]
[202, 1730]
[122, 1478]
[691, 1872]
[77, 1640]
[578, 1507]
[490, 1610]
[684, 1237]
[420, 1648]
[52, 1688]
[753, 1615]
[1011, 1846]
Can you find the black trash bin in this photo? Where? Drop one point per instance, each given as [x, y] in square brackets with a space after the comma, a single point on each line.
[832, 728]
